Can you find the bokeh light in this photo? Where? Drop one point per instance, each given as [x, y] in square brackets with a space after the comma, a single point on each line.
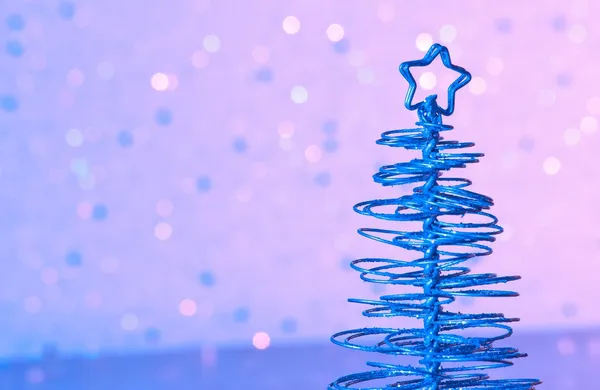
[261, 340]
[335, 32]
[291, 25]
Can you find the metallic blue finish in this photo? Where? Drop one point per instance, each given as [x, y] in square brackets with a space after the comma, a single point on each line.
[456, 229]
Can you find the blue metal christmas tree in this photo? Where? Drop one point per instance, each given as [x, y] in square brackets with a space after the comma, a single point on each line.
[455, 229]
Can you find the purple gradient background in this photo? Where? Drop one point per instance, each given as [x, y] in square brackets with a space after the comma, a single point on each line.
[261, 237]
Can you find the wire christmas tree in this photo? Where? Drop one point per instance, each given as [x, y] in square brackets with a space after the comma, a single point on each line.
[455, 229]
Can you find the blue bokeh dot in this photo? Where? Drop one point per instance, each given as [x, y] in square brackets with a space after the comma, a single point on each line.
[240, 145]
[152, 335]
[330, 127]
[207, 279]
[569, 310]
[330, 145]
[345, 263]
[66, 10]
[559, 23]
[241, 314]
[504, 25]
[264, 75]
[163, 117]
[15, 48]
[342, 46]
[9, 103]
[74, 259]
[563, 79]
[99, 212]
[323, 179]
[15, 22]
[378, 288]
[289, 325]
[526, 143]
[125, 138]
[203, 184]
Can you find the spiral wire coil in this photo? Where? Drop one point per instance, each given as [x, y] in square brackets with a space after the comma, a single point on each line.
[455, 229]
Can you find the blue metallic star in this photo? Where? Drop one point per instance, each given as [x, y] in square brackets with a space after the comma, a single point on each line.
[435, 50]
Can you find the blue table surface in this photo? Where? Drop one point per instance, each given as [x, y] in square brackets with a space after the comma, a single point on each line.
[563, 360]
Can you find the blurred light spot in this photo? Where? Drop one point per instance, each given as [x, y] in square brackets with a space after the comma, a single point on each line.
[323, 179]
[9, 103]
[291, 25]
[289, 325]
[477, 86]
[342, 46]
[594, 347]
[152, 335]
[187, 307]
[163, 117]
[207, 279]
[33, 305]
[588, 124]
[211, 43]
[164, 208]
[261, 54]
[241, 314]
[15, 22]
[15, 48]
[427, 81]
[75, 78]
[329, 127]
[424, 41]
[49, 276]
[593, 105]
[129, 322]
[378, 288]
[569, 310]
[74, 138]
[448, 33]
[551, 165]
[313, 153]
[504, 25]
[299, 94]
[577, 33]
[244, 194]
[159, 81]
[386, 12]
[261, 340]
[546, 97]
[74, 259]
[163, 231]
[240, 145]
[200, 59]
[84, 210]
[330, 145]
[100, 212]
[286, 129]
[106, 70]
[356, 58]
[79, 167]
[203, 184]
[66, 10]
[527, 143]
[566, 346]
[365, 76]
[572, 136]
[494, 66]
[125, 138]
[563, 79]
[35, 375]
[93, 299]
[110, 265]
[335, 32]
[559, 23]
[264, 75]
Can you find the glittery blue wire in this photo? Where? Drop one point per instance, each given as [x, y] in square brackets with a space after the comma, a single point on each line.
[455, 229]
